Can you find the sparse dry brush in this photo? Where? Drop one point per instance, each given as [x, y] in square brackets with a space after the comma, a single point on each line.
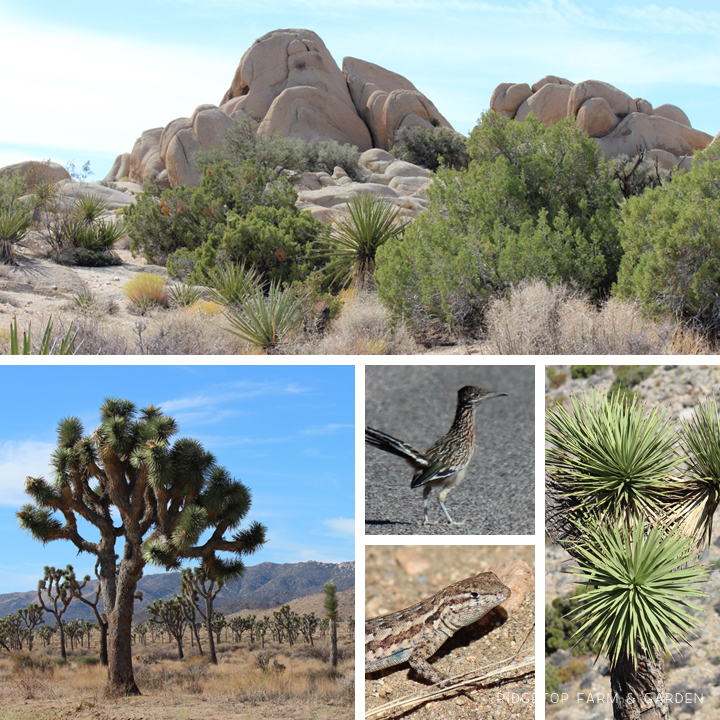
[537, 319]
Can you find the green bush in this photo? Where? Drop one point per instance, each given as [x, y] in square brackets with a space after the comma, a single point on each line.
[582, 372]
[672, 245]
[81, 236]
[431, 147]
[277, 152]
[552, 681]
[278, 241]
[535, 203]
[14, 226]
[245, 214]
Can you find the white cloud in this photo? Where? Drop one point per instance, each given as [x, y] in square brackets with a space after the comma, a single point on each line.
[19, 460]
[77, 89]
[344, 526]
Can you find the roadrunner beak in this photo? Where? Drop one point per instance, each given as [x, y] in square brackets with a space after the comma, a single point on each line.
[492, 395]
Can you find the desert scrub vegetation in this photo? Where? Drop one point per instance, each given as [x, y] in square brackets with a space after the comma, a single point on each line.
[535, 203]
[431, 147]
[146, 290]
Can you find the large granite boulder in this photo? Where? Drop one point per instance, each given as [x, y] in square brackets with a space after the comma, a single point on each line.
[289, 82]
[388, 102]
[32, 172]
[620, 124]
[286, 83]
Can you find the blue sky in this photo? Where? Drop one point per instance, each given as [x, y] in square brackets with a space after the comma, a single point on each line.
[82, 79]
[286, 431]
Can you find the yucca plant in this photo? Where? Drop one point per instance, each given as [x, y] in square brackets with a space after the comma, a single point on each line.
[615, 493]
[639, 581]
[14, 226]
[184, 294]
[264, 321]
[700, 438]
[47, 345]
[610, 459]
[354, 240]
[231, 284]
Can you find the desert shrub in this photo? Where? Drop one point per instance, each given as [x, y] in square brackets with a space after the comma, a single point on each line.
[82, 236]
[363, 327]
[535, 203]
[557, 380]
[146, 289]
[636, 175]
[431, 147]
[672, 246]
[536, 319]
[162, 222]
[552, 682]
[584, 371]
[628, 376]
[278, 241]
[237, 214]
[194, 671]
[277, 152]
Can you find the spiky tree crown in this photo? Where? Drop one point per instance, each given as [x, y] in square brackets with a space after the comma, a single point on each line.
[173, 493]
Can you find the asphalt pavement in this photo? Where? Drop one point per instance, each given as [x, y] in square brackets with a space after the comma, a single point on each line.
[416, 404]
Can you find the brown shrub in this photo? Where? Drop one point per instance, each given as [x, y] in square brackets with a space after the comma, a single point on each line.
[535, 319]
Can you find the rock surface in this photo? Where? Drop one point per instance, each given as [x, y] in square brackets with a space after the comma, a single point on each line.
[287, 82]
[33, 172]
[620, 124]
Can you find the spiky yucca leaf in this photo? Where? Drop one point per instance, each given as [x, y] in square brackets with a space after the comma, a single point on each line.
[160, 552]
[700, 438]
[639, 582]
[611, 458]
[265, 321]
[193, 520]
[354, 241]
[38, 522]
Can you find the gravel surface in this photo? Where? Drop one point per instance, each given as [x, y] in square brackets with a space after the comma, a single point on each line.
[399, 576]
[417, 404]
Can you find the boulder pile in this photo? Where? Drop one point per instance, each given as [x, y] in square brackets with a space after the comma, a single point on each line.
[287, 82]
[621, 125]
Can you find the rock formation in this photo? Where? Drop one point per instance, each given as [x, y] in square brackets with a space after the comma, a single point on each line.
[620, 124]
[287, 82]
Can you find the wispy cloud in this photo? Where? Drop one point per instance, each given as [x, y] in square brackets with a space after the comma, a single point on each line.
[19, 460]
[344, 526]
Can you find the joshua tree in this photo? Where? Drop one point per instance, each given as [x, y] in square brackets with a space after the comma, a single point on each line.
[171, 614]
[194, 582]
[633, 511]
[331, 608]
[56, 585]
[32, 616]
[158, 497]
[76, 589]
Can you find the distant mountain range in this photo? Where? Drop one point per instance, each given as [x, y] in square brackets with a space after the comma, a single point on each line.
[262, 586]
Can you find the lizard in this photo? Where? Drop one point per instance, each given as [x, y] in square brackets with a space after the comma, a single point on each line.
[416, 633]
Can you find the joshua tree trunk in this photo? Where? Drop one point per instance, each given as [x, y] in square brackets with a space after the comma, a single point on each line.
[639, 693]
[119, 600]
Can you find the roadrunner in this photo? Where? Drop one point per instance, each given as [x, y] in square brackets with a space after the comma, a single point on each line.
[445, 463]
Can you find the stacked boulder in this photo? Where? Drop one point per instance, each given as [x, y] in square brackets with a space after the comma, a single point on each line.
[621, 125]
[399, 183]
[288, 83]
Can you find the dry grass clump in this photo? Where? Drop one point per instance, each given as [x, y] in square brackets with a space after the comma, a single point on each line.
[363, 328]
[145, 290]
[536, 319]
